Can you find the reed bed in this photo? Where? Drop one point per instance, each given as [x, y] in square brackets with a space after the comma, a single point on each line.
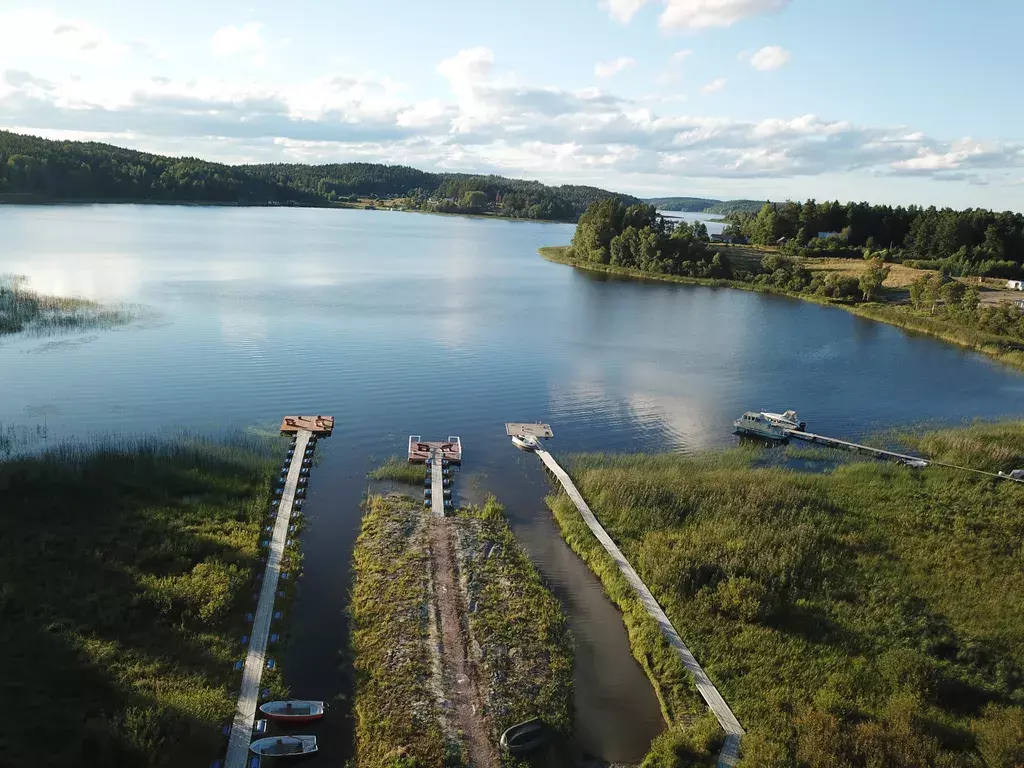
[873, 615]
[128, 565]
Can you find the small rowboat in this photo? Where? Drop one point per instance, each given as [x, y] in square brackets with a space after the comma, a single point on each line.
[284, 746]
[525, 442]
[526, 737]
[293, 711]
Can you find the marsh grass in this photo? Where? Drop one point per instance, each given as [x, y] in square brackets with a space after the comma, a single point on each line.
[126, 571]
[397, 713]
[870, 616]
[525, 649]
[22, 310]
[398, 470]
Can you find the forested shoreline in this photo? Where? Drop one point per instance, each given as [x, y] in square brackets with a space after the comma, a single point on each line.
[39, 170]
[971, 242]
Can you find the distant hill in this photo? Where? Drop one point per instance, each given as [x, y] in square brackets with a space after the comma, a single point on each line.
[37, 170]
[704, 205]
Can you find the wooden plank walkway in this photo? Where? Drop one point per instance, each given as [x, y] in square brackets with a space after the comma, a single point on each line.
[437, 483]
[245, 714]
[733, 730]
[834, 442]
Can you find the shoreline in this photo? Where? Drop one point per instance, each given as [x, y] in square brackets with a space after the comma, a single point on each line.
[1004, 352]
[42, 203]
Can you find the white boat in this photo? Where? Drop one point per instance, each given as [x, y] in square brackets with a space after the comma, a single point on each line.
[757, 425]
[914, 463]
[525, 442]
[787, 420]
[284, 746]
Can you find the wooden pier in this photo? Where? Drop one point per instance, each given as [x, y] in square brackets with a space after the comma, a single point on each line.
[716, 703]
[866, 450]
[437, 484]
[421, 450]
[241, 734]
[321, 426]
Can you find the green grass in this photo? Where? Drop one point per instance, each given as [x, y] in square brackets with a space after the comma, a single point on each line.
[519, 625]
[517, 634]
[397, 714]
[398, 470]
[23, 310]
[1005, 350]
[871, 616]
[127, 569]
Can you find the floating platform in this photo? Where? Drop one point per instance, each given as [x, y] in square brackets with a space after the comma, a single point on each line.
[421, 450]
[318, 425]
[528, 429]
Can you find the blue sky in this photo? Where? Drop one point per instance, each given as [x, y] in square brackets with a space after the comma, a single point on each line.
[904, 101]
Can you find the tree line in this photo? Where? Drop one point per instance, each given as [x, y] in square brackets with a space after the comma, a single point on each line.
[637, 237]
[32, 168]
[968, 242]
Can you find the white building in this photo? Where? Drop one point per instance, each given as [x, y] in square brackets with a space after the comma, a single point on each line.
[1015, 285]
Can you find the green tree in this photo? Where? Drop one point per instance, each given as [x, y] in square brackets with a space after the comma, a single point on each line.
[873, 278]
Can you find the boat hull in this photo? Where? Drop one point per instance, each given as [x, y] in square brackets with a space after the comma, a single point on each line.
[293, 711]
[525, 443]
[524, 738]
[284, 746]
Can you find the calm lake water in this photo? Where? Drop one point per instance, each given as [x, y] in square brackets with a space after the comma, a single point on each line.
[407, 323]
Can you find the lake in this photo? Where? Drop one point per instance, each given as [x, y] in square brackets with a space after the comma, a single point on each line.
[434, 325]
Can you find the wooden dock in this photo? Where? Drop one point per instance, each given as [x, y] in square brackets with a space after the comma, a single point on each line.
[716, 703]
[533, 429]
[241, 734]
[866, 450]
[437, 484]
[315, 425]
[421, 450]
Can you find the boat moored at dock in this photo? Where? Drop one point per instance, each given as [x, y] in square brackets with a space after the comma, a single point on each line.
[293, 711]
[787, 420]
[755, 424]
[525, 442]
[284, 746]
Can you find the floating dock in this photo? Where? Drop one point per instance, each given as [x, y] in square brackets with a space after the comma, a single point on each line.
[241, 734]
[528, 429]
[729, 754]
[421, 450]
[321, 426]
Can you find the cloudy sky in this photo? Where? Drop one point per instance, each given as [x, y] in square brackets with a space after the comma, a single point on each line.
[886, 100]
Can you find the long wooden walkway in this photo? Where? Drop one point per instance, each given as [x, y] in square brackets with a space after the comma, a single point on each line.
[733, 730]
[437, 483]
[245, 714]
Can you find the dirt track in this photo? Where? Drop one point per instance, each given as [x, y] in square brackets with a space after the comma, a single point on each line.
[459, 674]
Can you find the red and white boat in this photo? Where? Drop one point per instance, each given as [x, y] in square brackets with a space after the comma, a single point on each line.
[293, 711]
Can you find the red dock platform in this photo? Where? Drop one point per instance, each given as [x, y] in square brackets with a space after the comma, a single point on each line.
[421, 450]
[318, 425]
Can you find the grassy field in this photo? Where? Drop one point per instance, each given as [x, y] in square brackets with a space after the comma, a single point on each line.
[515, 633]
[870, 616]
[126, 572]
[23, 310]
[893, 309]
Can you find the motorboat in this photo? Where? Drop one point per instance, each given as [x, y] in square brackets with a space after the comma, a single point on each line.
[526, 737]
[787, 420]
[525, 442]
[914, 463]
[757, 425]
[293, 711]
[284, 746]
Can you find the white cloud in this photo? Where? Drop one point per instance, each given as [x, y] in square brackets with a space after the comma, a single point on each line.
[695, 14]
[468, 65]
[768, 58]
[622, 10]
[246, 39]
[611, 68]
[680, 56]
[714, 86]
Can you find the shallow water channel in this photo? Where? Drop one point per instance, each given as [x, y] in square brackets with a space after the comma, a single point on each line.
[408, 323]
